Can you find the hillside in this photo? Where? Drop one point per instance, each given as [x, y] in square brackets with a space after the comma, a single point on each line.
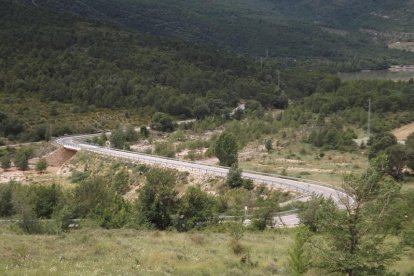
[386, 15]
[286, 30]
[67, 59]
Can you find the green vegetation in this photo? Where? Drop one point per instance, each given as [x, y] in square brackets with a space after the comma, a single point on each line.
[226, 149]
[302, 30]
[41, 165]
[364, 237]
[5, 162]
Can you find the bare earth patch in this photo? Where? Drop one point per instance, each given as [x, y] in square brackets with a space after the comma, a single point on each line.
[403, 132]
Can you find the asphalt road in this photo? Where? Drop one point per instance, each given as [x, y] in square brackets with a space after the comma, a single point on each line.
[296, 185]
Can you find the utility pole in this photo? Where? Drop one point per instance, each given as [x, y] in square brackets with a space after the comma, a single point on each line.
[369, 117]
[267, 53]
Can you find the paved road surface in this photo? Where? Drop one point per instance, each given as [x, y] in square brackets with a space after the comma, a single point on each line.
[296, 185]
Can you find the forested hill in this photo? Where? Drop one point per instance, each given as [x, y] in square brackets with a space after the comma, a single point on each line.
[286, 29]
[383, 15]
[67, 59]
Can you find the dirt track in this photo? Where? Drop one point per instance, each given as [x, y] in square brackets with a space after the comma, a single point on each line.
[402, 132]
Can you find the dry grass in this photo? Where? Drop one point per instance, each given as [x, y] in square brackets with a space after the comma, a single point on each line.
[130, 252]
[304, 161]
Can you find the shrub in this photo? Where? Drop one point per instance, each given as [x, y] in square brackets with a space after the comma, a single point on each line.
[41, 165]
[5, 162]
[22, 158]
[226, 149]
[6, 196]
[234, 177]
[196, 208]
[165, 149]
[157, 200]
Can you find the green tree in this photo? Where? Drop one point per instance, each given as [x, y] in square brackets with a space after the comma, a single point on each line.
[41, 165]
[130, 134]
[162, 122]
[299, 259]
[196, 209]
[24, 205]
[21, 159]
[397, 159]
[47, 199]
[89, 195]
[226, 149]
[234, 177]
[6, 197]
[269, 145]
[144, 132]
[380, 142]
[118, 139]
[355, 240]
[409, 142]
[5, 162]
[157, 200]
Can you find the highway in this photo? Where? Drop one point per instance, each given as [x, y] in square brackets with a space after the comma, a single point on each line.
[296, 185]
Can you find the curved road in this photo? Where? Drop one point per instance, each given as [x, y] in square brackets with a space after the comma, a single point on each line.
[297, 185]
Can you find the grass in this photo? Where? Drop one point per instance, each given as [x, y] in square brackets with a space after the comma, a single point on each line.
[91, 251]
[304, 161]
[97, 251]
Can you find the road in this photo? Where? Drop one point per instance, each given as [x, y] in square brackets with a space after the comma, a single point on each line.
[291, 184]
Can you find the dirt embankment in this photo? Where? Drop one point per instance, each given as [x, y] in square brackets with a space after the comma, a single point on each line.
[403, 132]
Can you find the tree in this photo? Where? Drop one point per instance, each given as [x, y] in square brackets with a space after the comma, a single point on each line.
[22, 159]
[41, 165]
[397, 159]
[5, 162]
[226, 149]
[234, 177]
[130, 134]
[162, 122]
[196, 208]
[269, 145]
[144, 132]
[118, 139]
[380, 142]
[47, 200]
[6, 196]
[157, 200]
[299, 259]
[355, 240]
[409, 142]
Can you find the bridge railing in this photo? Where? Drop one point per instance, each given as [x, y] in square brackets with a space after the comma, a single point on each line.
[214, 169]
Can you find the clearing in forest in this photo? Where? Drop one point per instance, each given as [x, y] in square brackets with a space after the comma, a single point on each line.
[402, 132]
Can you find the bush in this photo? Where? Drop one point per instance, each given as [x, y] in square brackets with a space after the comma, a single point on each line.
[234, 177]
[5, 162]
[6, 197]
[41, 165]
[162, 122]
[24, 206]
[22, 158]
[196, 209]
[226, 149]
[157, 200]
[165, 149]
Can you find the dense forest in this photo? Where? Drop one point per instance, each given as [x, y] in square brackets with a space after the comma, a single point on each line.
[67, 59]
[284, 30]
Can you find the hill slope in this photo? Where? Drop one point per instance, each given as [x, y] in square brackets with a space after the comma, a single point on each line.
[56, 57]
[284, 28]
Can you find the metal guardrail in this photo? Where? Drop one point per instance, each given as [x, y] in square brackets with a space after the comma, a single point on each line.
[213, 169]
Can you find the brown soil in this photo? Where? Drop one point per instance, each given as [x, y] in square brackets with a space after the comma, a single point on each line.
[402, 132]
